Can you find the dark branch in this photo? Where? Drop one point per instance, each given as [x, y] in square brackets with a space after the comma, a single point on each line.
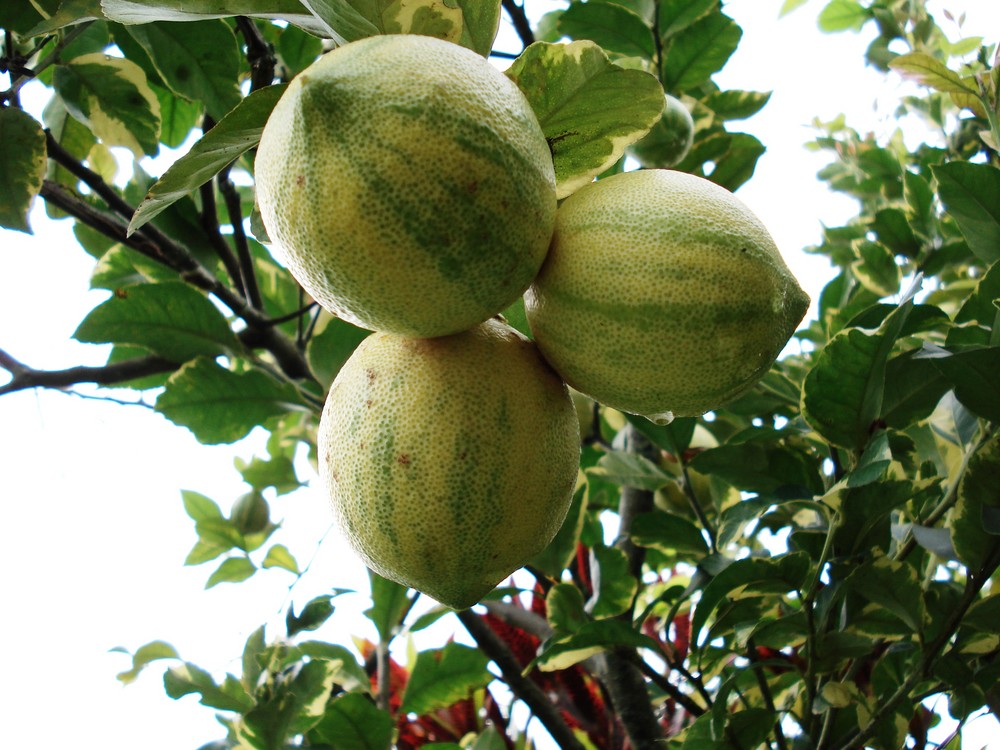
[260, 55]
[523, 688]
[259, 333]
[247, 273]
[209, 218]
[24, 377]
[625, 683]
[520, 21]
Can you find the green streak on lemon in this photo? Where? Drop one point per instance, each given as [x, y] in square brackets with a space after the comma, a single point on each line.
[662, 295]
[407, 185]
[449, 461]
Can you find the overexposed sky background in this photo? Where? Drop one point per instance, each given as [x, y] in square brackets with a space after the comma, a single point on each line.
[94, 534]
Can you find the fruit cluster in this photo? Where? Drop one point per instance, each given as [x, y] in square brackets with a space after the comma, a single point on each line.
[411, 191]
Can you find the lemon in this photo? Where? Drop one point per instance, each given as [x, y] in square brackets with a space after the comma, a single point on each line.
[407, 185]
[669, 140]
[662, 295]
[449, 461]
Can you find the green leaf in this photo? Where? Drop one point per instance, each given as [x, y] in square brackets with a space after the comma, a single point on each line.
[874, 462]
[977, 491]
[677, 15]
[589, 108]
[197, 61]
[331, 345]
[233, 135]
[876, 269]
[564, 608]
[22, 164]
[560, 551]
[930, 72]
[278, 556]
[738, 163]
[778, 575]
[702, 50]
[614, 27]
[843, 15]
[144, 655]
[389, 603]
[199, 507]
[222, 406]
[893, 230]
[913, 388]
[440, 678]
[674, 438]
[614, 584]
[231, 570]
[592, 638]
[751, 726]
[292, 706]
[760, 465]
[842, 393]
[340, 19]
[147, 11]
[170, 319]
[973, 375]
[971, 194]
[277, 472]
[111, 96]
[316, 611]
[736, 105]
[480, 23]
[668, 533]
[352, 722]
[187, 679]
[630, 470]
[894, 586]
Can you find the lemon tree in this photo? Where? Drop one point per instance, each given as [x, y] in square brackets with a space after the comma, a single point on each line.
[810, 563]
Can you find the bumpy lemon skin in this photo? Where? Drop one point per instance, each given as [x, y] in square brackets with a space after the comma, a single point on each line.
[662, 295]
[407, 185]
[449, 461]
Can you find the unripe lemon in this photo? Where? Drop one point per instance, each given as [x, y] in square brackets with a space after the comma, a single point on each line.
[669, 140]
[407, 185]
[449, 461]
[662, 295]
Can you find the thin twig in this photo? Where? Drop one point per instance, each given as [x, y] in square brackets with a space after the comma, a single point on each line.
[523, 687]
[209, 218]
[765, 691]
[247, 273]
[24, 378]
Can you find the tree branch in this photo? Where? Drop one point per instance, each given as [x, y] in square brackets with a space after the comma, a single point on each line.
[260, 333]
[523, 688]
[625, 683]
[247, 273]
[24, 377]
[260, 55]
[520, 21]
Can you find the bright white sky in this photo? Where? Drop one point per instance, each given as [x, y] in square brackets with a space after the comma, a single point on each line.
[94, 534]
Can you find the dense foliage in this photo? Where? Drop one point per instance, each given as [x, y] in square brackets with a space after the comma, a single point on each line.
[802, 568]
